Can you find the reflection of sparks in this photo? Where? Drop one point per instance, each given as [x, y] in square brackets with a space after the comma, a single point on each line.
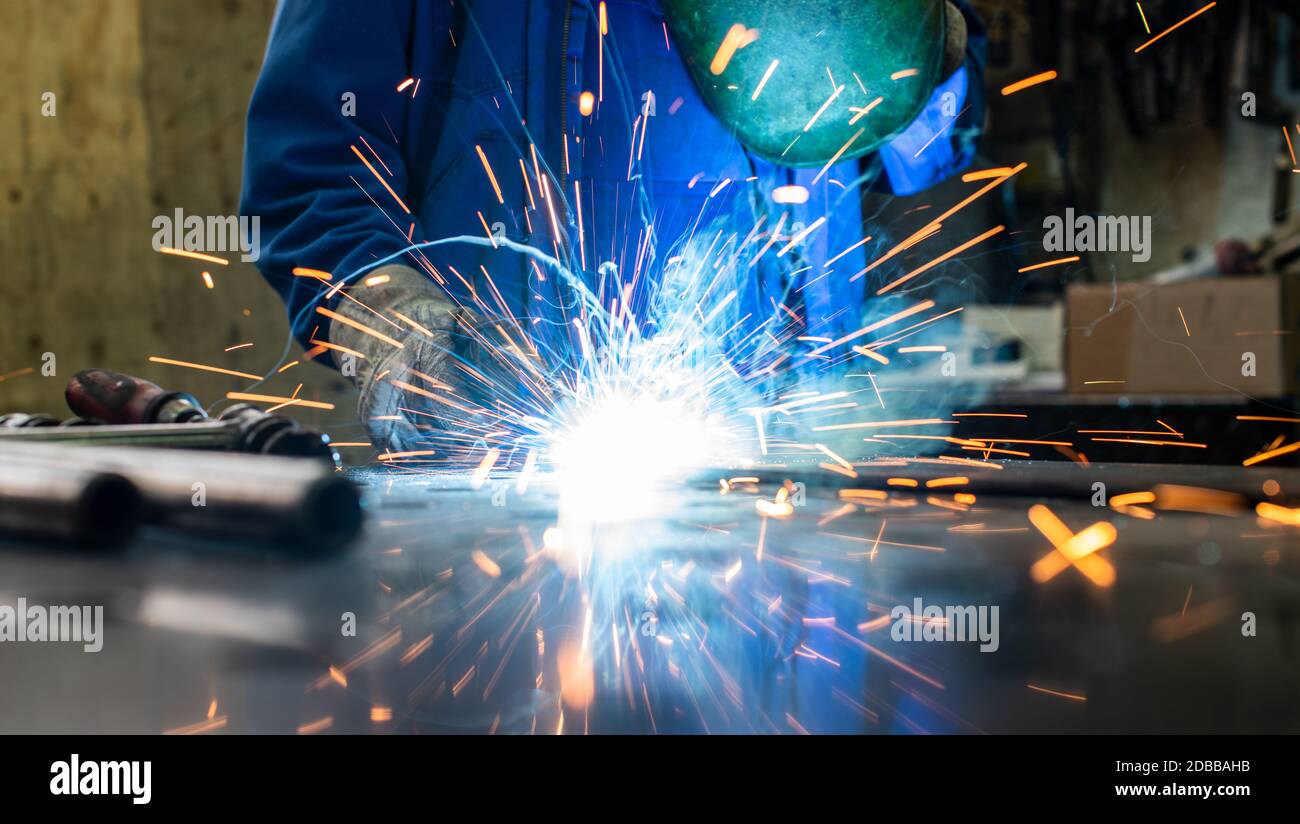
[319, 725]
[767, 75]
[737, 37]
[210, 725]
[1072, 549]
[1280, 514]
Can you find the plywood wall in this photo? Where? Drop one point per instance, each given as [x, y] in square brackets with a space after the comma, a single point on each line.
[150, 100]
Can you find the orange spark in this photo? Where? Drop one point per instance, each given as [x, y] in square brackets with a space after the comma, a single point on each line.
[199, 728]
[875, 424]
[380, 178]
[1058, 693]
[1145, 24]
[1130, 498]
[480, 475]
[861, 112]
[866, 330]
[360, 327]
[167, 250]
[1070, 548]
[415, 650]
[1175, 26]
[1270, 454]
[247, 396]
[986, 174]
[1281, 514]
[1021, 85]
[975, 241]
[958, 480]
[390, 456]
[201, 367]
[490, 567]
[1057, 262]
[316, 726]
[933, 226]
[736, 38]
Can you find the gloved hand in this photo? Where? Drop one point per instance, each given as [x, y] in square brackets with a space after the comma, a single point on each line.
[431, 331]
[954, 46]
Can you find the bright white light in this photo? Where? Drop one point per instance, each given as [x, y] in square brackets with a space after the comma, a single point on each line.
[618, 457]
[790, 194]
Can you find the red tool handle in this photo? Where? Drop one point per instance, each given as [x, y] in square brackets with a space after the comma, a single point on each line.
[115, 398]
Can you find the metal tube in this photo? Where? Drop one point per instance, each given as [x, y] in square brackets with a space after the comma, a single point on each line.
[216, 435]
[1034, 479]
[72, 503]
[296, 500]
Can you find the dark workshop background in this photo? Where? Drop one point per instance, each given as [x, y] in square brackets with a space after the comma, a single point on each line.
[151, 98]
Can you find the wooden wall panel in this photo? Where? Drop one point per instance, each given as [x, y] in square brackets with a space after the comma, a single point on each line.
[151, 97]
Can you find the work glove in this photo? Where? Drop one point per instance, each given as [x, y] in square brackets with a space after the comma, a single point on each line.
[395, 383]
[954, 47]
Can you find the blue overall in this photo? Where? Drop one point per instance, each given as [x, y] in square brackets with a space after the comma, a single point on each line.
[506, 77]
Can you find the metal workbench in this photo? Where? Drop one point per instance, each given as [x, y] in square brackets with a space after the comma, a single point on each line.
[705, 617]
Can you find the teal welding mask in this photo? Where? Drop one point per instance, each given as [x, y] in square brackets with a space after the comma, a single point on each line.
[801, 83]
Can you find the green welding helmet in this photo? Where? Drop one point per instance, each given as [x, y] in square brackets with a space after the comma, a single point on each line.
[803, 81]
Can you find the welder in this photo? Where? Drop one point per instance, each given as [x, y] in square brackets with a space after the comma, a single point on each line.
[375, 125]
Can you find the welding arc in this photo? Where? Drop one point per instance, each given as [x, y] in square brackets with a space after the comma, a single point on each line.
[67, 503]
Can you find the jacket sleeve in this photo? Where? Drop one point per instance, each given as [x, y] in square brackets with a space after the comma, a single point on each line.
[326, 98]
[945, 136]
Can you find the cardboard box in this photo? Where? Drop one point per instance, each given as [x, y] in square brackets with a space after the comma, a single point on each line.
[1200, 337]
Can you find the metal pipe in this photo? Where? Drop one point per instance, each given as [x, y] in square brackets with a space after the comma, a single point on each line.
[1030, 479]
[81, 504]
[298, 501]
[215, 435]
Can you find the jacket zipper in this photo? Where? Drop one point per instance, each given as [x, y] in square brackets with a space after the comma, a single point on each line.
[564, 92]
